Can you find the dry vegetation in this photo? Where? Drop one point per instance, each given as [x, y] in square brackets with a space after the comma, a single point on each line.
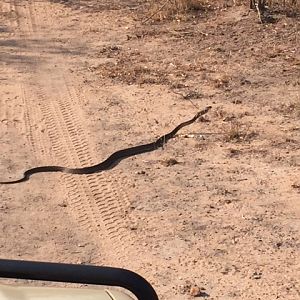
[165, 9]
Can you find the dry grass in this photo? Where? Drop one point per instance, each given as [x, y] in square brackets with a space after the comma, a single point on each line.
[292, 109]
[132, 67]
[290, 3]
[161, 10]
[177, 9]
[238, 132]
[131, 74]
[293, 4]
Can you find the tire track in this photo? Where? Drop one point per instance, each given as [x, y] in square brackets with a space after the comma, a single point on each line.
[25, 28]
[95, 200]
[96, 203]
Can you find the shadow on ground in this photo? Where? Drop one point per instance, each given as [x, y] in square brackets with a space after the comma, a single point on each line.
[24, 52]
[97, 6]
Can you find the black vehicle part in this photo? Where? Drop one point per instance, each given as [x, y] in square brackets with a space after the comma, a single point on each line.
[84, 274]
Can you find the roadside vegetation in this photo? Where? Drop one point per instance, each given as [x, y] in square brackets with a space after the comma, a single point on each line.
[166, 9]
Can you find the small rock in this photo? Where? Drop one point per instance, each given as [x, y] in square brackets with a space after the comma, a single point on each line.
[195, 291]
[141, 172]
[169, 162]
[133, 227]
[296, 186]
[256, 275]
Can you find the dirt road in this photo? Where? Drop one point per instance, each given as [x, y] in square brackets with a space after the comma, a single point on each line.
[217, 208]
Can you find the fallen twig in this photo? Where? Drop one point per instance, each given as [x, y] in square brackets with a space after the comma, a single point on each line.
[157, 11]
[259, 12]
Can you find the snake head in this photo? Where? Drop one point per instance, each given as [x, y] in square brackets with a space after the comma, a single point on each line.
[203, 112]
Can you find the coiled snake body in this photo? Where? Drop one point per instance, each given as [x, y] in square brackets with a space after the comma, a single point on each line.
[114, 158]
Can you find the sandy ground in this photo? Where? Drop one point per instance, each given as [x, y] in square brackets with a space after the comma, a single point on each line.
[217, 208]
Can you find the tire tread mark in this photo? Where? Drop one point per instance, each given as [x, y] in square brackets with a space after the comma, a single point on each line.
[97, 206]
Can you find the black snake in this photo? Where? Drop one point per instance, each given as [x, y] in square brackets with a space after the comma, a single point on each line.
[114, 158]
